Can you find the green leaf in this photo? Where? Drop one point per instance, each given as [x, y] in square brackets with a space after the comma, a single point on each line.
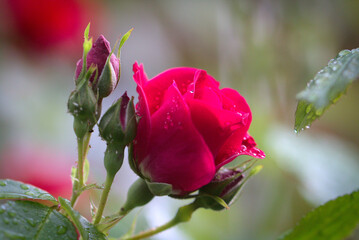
[334, 220]
[10, 189]
[87, 230]
[123, 40]
[159, 189]
[326, 88]
[24, 220]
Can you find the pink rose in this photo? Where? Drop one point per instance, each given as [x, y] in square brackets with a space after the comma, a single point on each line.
[188, 128]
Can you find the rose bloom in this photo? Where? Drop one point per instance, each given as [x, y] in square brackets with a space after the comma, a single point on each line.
[43, 168]
[188, 128]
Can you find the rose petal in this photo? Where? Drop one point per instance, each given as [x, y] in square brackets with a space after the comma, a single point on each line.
[141, 141]
[115, 62]
[233, 101]
[215, 125]
[177, 154]
[238, 144]
[157, 86]
[139, 74]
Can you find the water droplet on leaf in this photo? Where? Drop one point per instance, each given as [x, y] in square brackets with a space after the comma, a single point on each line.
[343, 52]
[11, 214]
[2, 184]
[31, 222]
[24, 187]
[61, 230]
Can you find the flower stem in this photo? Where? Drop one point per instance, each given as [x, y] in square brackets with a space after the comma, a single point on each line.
[82, 148]
[104, 196]
[183, 215]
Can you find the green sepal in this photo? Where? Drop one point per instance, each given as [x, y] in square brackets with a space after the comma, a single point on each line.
[159, 189]
[107, 80]
[138, 195]
[87, 45]
[131, 161]
[123, 40]
[113, 158]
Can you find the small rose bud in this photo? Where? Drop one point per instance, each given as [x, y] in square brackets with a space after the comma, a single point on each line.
[108, 67]
[118, 128]
[119, 123]
[82, 104]
[137, 196]
[226, 184]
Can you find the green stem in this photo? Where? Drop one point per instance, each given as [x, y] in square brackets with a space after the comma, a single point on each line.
[183, 215]
[83, 147]
[80, 163]
[104, 196]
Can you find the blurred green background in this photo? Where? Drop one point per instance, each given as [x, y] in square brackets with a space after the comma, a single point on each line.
[267, 50]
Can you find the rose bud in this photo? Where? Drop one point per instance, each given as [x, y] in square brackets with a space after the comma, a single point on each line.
[82, 104]
[188, 128]
[226, 184]
[108, 67]
[118, 128]
[118, 124]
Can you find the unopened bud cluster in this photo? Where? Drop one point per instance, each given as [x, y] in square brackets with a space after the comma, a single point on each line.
[118, 128]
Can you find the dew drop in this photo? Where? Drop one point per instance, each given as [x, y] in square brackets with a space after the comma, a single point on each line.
[307, 110]
[2, 184]
[307, 126]
[319, 111]
[14, 236]
[24, 187]
[31, 222]
[11, 214]
[61, 230]
[29, 193]
[343, 52]
[243, 148]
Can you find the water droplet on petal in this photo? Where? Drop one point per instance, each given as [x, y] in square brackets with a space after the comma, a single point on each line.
[24, 187]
